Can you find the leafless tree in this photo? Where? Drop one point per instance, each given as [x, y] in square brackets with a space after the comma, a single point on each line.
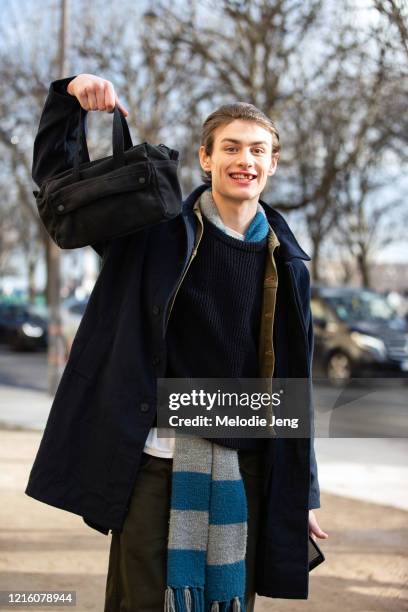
[331, 106]
[396, 11]
[28, 63]
[367, 225]
[336, 89]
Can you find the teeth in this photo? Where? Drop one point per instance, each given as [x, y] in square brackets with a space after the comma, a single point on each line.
[241, 176]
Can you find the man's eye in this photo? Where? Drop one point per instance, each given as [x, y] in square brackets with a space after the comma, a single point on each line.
[259, 150]
[230, 149]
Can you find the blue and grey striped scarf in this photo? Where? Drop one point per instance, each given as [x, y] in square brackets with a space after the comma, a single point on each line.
[208, 511]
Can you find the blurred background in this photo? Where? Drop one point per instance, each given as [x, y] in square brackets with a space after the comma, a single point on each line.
[334, 77]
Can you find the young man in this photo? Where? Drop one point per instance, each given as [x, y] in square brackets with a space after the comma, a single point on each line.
[219, 291]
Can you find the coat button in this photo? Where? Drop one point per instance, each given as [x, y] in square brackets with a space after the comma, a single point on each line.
[142, 179]
[144, 407]
[156, 309]
[60, 207]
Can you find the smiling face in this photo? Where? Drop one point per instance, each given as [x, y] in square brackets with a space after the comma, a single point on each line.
[241, 160]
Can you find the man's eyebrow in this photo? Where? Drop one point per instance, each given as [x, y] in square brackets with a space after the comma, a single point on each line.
[258, 142]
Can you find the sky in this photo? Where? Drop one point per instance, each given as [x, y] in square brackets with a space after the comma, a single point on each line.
[20, 12]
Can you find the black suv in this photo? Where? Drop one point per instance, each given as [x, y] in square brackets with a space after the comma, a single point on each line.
[357, 334]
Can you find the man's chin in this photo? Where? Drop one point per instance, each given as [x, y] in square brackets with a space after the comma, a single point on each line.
[240, 193]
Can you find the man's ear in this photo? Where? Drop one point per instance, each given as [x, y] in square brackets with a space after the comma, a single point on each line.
[274, 164]
[204, 159]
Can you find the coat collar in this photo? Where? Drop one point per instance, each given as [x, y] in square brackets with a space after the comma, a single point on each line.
[289, 246]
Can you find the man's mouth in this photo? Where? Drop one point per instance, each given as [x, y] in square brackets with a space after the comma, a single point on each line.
[242, 178]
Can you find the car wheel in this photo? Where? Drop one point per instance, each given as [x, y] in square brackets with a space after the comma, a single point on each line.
[339, 369]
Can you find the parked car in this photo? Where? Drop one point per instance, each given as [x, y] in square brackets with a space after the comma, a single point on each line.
[7, 318]
[24, 326]
[357, 334]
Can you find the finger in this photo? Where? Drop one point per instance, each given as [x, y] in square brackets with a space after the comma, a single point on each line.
[100, 97]
[320, 533]
[92, 100]
[121, 107]
[83, 100]
[109, 97]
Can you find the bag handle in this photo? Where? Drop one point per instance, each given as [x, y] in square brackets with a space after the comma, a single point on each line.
[121, 140]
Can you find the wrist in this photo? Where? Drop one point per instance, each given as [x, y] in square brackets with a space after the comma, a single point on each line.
[60, 89]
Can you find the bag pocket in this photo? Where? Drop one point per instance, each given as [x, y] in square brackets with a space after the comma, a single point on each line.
[126, 179]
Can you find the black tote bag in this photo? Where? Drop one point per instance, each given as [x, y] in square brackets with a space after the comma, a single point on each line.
[107, 198]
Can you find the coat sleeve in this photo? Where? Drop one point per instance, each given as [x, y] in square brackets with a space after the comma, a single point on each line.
[314, 494]
[55, 142]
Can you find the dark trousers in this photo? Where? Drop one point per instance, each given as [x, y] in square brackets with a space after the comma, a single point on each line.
[136, 579]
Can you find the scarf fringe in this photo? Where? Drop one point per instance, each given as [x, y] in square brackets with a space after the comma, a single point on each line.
[235, 605]
[189, 599]
[184, 599]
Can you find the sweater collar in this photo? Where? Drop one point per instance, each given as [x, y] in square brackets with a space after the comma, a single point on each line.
[209, 209]
[288, 247]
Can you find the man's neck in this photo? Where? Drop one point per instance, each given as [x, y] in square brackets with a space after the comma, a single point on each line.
[235, 214]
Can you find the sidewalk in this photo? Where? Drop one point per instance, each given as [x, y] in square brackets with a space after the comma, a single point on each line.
[353, 467]
[44, 548]
[23, 408]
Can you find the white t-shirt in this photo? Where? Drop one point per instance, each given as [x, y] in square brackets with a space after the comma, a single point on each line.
[159, 447]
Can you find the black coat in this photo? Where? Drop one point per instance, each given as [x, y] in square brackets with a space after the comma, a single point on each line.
[104, 406]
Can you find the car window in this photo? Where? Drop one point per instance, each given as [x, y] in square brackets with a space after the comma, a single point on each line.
[13, 312]
[38, 310]
[361, 306]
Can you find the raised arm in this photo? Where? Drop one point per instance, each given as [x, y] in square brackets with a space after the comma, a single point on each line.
[55, 143]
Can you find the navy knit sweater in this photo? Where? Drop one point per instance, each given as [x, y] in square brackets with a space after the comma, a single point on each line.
[214, 326]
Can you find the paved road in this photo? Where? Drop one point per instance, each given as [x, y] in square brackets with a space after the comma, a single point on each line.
[363, 411]
[369, 468]
[369, 408]
[23, 370]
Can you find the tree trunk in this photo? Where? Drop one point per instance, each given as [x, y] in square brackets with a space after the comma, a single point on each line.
[347, 272]
[364, 269]
[315, 265]
[31, 279]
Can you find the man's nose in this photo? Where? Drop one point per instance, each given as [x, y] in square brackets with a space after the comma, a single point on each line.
[246, 158]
